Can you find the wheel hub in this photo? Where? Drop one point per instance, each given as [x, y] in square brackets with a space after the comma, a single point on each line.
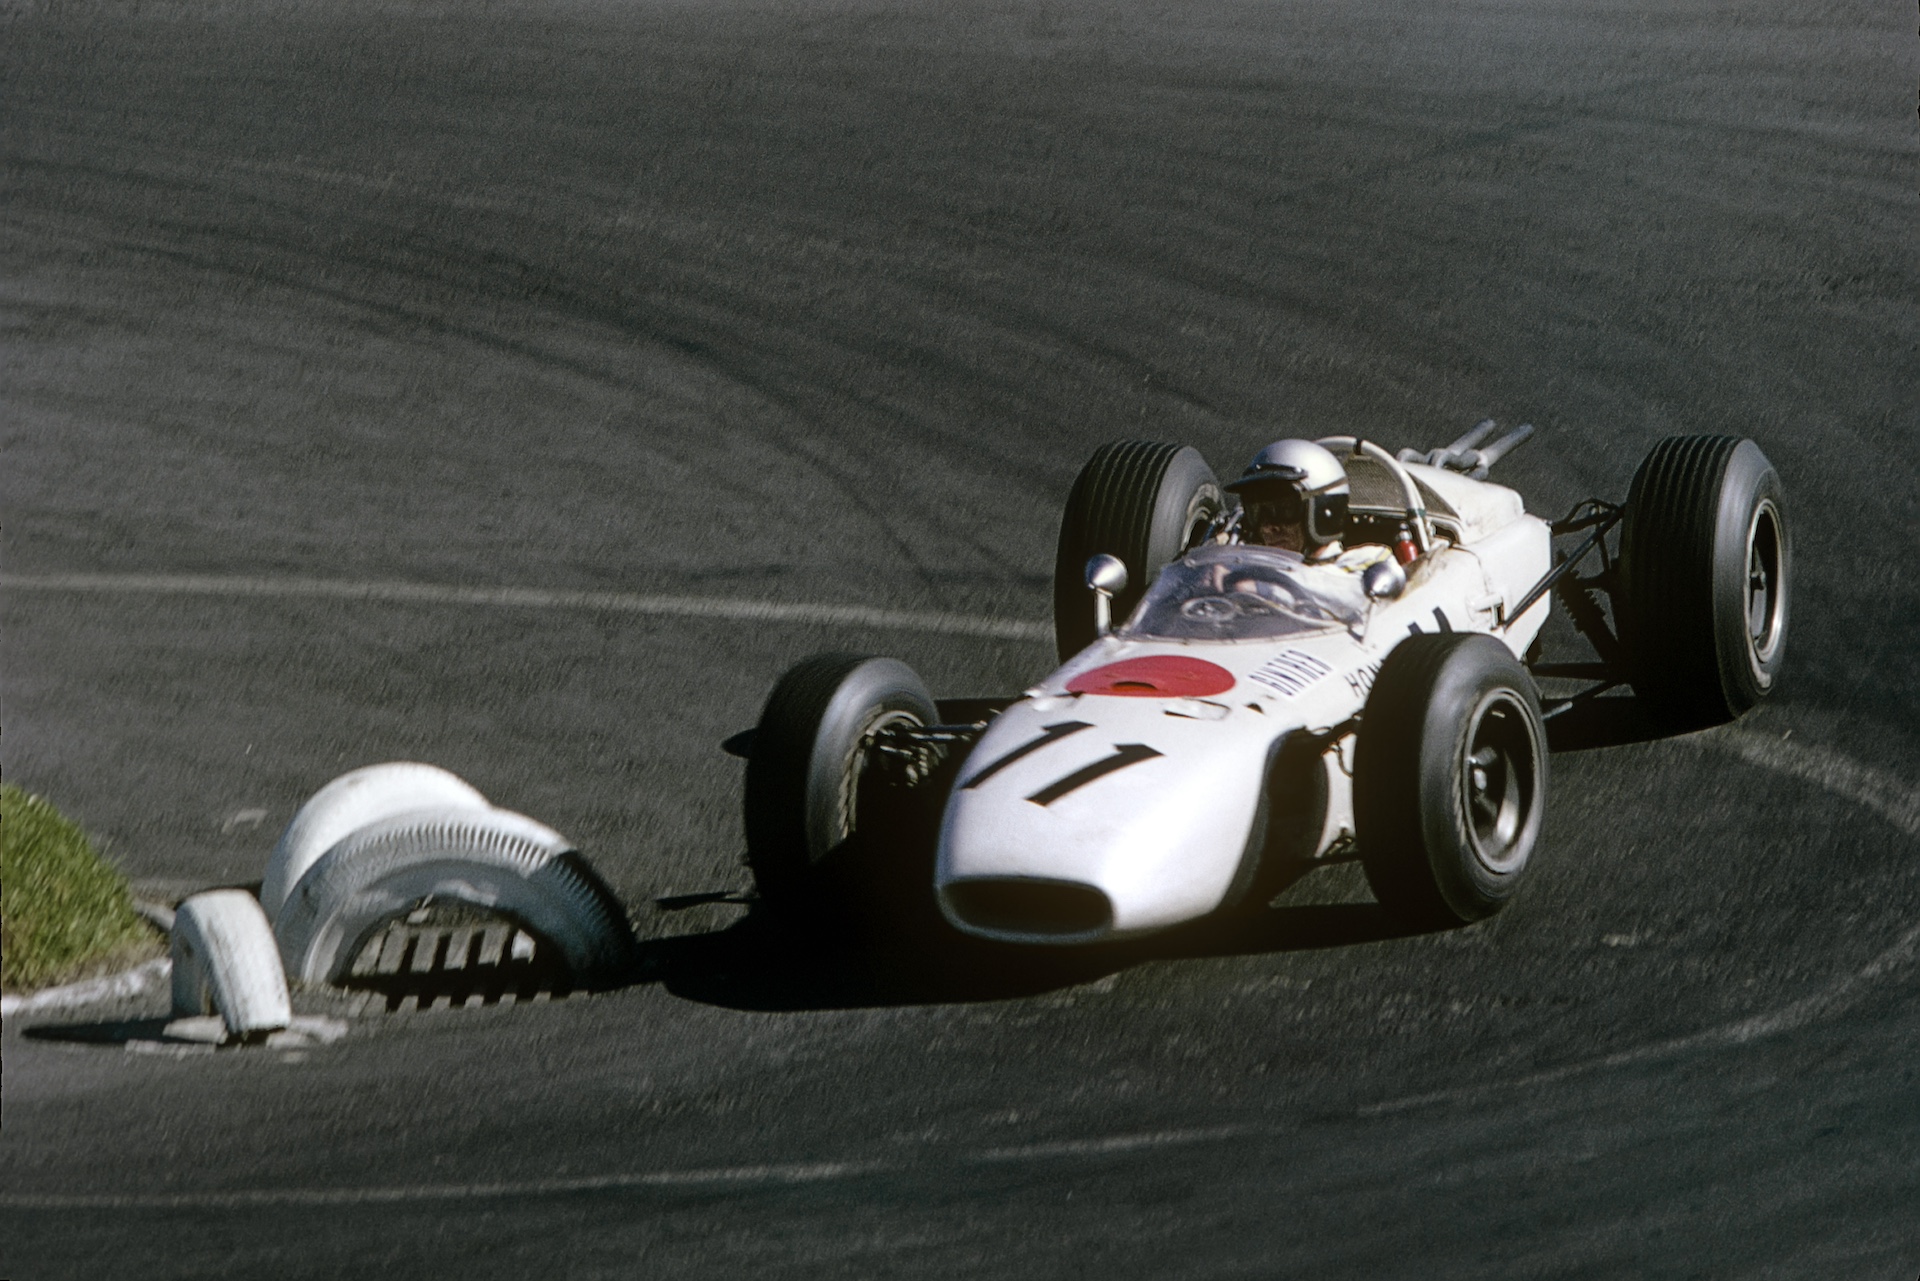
[1499, 784]
[1766, 595]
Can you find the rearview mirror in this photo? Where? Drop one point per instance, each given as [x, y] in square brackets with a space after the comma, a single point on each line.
[1106, 575]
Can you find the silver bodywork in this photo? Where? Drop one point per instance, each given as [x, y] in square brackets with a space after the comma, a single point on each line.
[1135, 811]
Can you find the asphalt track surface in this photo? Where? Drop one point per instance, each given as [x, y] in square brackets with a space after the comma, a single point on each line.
[822, 305]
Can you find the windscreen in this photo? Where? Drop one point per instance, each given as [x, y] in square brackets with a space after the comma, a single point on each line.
[1245, 593]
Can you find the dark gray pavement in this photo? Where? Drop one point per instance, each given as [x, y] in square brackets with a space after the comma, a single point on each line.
[826, 303]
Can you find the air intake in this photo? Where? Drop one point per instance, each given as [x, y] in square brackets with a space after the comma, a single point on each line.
[1031, 907]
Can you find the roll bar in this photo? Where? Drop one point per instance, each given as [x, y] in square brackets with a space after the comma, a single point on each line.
[1409, 492]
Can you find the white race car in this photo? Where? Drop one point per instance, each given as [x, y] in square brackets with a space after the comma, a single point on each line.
[1256, 715]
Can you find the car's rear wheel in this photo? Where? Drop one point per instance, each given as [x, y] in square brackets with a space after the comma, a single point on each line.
[1141, 500]
[1704, 567]
[808, 754]
[1450, 779]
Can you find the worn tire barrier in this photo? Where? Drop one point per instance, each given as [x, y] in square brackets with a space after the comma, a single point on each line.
[487, 858]
[225, 962]
[351, 802]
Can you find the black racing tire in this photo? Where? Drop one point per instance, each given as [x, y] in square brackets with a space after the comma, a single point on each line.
[1141, 500]
[1449, 779]
[1705, 564]
[803, 772]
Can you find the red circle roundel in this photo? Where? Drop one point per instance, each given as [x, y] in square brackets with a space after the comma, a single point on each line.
[1155, 676]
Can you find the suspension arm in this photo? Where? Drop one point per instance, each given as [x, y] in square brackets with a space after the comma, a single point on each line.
[1599, 524]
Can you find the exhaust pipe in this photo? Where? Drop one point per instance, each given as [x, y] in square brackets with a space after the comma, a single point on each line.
[1465, 455]
[1500, 449]
[1481, 430]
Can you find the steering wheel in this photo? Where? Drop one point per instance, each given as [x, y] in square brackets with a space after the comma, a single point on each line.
[1231, 605]
[1210, 609]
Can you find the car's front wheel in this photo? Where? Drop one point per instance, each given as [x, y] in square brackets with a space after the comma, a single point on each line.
[808, 754]
[1450, 779]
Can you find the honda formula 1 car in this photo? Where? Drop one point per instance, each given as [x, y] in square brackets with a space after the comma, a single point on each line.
[1253, 715]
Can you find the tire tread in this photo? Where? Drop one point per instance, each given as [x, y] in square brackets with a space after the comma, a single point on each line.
[1110, 509]
[1667, 565]
[1387, 756]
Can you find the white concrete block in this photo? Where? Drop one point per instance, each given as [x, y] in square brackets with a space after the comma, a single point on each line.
[225, 962]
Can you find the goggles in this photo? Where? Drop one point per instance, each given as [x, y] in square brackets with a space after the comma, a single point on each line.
[1322, 516]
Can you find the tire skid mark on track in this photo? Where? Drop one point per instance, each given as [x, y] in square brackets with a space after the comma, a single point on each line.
[414, 316]
[740, 369]
[1871, 789]
[772, 376]
[404, 593]
[197, 167]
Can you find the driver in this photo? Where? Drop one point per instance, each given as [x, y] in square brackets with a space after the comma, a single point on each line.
[1294, 494]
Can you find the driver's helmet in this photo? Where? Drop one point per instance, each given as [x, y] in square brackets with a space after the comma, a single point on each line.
[1300, 483]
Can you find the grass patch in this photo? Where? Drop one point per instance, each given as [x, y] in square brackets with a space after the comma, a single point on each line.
[64, 914]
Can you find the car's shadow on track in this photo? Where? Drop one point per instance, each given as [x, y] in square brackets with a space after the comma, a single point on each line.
[760, 964]
[115, 1033]
[884, 943]
[1613, 721]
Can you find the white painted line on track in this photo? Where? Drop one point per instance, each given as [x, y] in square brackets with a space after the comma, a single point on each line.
[134, 982]
[245, 1198]
[1116, 1143]
[1835, 997]
[1892, 798]
[405, 593]
[1885, 795]
[739, 1175]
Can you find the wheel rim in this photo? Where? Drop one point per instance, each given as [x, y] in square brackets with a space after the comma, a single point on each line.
[1766, 589]
[1498, 781]
[1201, 514]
